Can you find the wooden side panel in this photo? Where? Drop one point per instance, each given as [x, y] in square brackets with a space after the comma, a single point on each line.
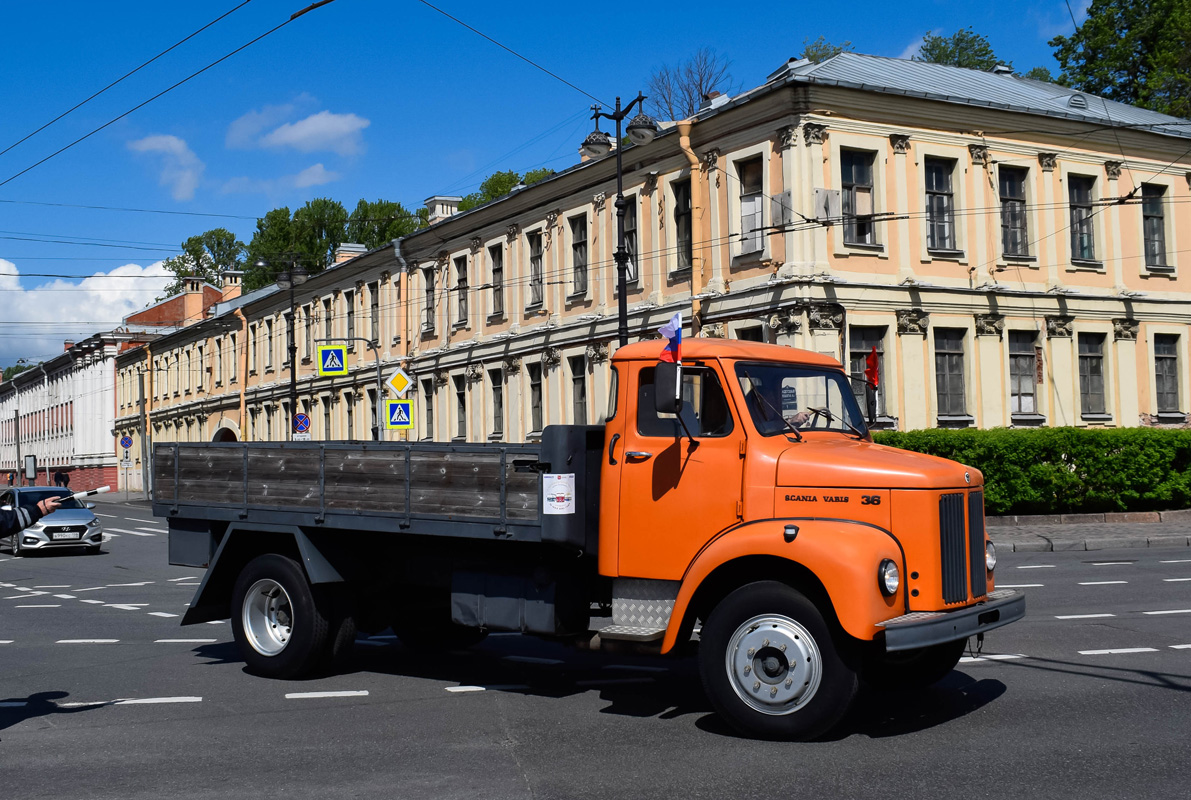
[455, 484]
[163, 471]
[365, 480]
[280, 477]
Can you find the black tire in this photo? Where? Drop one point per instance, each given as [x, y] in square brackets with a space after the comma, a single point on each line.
[294, 629]
[17, 552]
[770, 621]
[911, 669]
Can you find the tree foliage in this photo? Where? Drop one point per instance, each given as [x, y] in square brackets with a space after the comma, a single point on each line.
[374, 224]
[1040, 74]
[964, 48]
[1132, 51]
[310, 237]
[821, 49]
[498, 184]
[677, 92]
[14, 370]
[204, 256]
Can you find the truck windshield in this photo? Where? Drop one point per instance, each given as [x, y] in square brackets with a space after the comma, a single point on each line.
[807, 398]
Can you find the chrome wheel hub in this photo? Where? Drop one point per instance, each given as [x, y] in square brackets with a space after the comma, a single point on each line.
[774, 664]
[268, 617]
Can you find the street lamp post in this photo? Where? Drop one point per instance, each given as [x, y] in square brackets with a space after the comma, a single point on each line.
[641, 130]
[288, 280]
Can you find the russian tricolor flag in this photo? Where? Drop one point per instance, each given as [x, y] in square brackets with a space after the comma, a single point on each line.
[672, 330]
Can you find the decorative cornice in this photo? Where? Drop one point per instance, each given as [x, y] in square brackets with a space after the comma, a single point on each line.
[1124, 330]
[596, 353]
[785, 321]
[912, 322]
[900, 142]
[385, 276]
[551, 219]
[551, 357]
[825, 316]
[787, 137]
[475, 373]
[512, 232]
[1112, 169]
[990, 325]
[440, 377]
[511, 365]
[711, 158]
[979, 154]
[600, 199]
[1058, 327]
[714, 330]
[476, 242]
[814, 133]
[1047, 161]
[651, 183]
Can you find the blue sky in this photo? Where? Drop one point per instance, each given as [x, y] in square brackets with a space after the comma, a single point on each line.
[360, 98]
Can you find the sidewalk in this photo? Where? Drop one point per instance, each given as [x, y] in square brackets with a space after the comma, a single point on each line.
[1093, 536]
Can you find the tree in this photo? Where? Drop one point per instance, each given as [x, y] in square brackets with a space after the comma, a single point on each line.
[498, 184]
[821, 49]
[274, 239]
[1132, 52]
[677, 92]
[14, 370]
[374, 224]
[204, 256]
[964, 48]
[1040, 74]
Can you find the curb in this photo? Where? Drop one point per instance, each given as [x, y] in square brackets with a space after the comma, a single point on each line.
[1043, 544]
[1131, 517]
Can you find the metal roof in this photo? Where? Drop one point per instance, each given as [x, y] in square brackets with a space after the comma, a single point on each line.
[976, 88]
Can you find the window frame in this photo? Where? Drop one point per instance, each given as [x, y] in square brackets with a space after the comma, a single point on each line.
[849, 195]
[1171, 362]
[682, 214]
[1158, 202]
[462, 287]
[1082, 219]
[580, 255]
[1007, 204]
[944, 367]
[1023, 371]
[534, 251]
[1092, 386]
[496, 271]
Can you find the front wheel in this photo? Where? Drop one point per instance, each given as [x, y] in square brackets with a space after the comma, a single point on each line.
[17, 552]
[770, 666]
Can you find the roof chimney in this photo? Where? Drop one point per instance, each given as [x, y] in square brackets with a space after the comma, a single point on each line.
[1002, 69]
[192, 300]
[348, 250]
[442, 206]
[66, 345]
[233, 284]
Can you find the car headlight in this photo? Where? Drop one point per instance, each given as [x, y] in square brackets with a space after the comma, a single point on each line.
[93, 523]
[990, 556]
[888, 578]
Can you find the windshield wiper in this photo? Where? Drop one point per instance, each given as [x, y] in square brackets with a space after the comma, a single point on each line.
[765, 402]
[833, 418]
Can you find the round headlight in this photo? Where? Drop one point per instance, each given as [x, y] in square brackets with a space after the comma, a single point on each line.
[990, 556]
[888, 577]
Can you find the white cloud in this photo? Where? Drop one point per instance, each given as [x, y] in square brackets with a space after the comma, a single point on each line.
[70, 310]
[314, 175]
[339, 133]
[245, 132]
[912, 49]
[181, 169]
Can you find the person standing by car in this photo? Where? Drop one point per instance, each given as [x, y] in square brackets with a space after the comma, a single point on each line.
[15, 520]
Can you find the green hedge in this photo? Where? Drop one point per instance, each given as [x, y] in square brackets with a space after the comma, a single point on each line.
[1066, 470]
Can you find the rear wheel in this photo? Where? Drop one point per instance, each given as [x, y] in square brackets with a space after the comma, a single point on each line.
[912, 669]
[283, 626]
[770, 665]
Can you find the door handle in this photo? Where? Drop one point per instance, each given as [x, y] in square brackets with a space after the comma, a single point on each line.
[612, 444]
[638, 454]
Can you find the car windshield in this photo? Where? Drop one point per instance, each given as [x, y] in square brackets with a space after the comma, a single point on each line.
[808, 399]
[31, 497]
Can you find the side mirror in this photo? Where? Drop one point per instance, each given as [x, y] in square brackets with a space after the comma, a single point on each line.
[89, 505]
[667, 388]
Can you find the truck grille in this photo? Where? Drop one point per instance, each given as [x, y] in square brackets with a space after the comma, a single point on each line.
[976, 544]
[952, 549]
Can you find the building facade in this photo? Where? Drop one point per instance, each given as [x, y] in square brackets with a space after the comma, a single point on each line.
[1011, 249]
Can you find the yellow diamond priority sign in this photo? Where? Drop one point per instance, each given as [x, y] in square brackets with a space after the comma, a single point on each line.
[399, 382]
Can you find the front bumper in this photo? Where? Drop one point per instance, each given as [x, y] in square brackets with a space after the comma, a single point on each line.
[41, 540]
[925, 628]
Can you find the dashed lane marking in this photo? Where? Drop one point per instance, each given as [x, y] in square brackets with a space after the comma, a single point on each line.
[65, 597]
[92, 602]
[1177, 561]
[115, 585]
[126, 606]
[43, 605]
[5, 641]
[312, 695]
[55, 586]
[146, 701]
[131, 533]
[154, 530]
[1084, 616]
[23, 596]
[1037, 566]
[1118, 651]
[1175, 580]
[12, 704]
[146, 521]
[464, 689]
[185, 641]
[1101, 583]
[1111, 563]
[1020, 585]
[994, 657]
[1169, 611]
[86, 641]
[109, 516]
[90, 589]
[1180, 647]
[215, 621]
[187, 578]
[161, 614]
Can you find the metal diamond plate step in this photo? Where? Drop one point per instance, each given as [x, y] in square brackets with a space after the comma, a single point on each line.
[632, 633]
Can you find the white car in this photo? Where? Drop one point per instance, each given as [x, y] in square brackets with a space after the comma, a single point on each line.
[72, 525]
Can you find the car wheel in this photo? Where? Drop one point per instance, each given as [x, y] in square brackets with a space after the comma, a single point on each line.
[17, 552]
[912, 669]
[770, 665]
[283, 626]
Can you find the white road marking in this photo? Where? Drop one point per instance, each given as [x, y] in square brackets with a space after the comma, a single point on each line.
[1177, 561]
[142, 583]
[130, 533]
[161, 614]
[5, 641]
[185, 641]
[461, 689]
[1020, 585]
[59, 605]
[55, 586]
[1100, 583]
[1175, 580]
[1118, 651]
[1171, 611]
[8, 585]
[65, 597]
[1180, 647]
[533, 660]
[126, 606]
[23, 596]
[145, 701]
[215, 621]
[90, 589]
[1111, 563]
[996, 657]
[309, 695]
[1037, 566]
[154, 530]
[146, 521]
[86, 641]
[187, 578]
[109, 516]
[93, 602]
[1084, 616]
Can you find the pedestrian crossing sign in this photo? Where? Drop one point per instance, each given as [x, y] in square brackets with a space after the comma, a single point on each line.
[399, 415]
[332, 360]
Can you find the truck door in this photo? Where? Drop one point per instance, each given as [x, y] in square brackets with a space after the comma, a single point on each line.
[676, 493]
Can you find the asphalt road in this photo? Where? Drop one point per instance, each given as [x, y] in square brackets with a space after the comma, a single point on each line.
[102, 694]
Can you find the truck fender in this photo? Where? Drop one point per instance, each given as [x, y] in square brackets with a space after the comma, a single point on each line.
[842, 555]
[242, 543]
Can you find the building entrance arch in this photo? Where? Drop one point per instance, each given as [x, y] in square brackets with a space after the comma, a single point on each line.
[227, 431]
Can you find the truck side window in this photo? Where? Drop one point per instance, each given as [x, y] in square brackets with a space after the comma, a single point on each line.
[613, 388]
[704, 406]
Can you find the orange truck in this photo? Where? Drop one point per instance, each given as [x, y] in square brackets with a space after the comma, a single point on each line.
[734, 505]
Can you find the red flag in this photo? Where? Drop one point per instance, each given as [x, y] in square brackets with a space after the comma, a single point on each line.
[870, 368]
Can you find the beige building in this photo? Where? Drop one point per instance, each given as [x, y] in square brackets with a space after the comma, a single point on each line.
[1012, 249]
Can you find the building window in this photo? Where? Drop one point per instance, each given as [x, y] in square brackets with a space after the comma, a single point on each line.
[535, 397]
[308, 319]
[327, 419]
[630, 240]
[861, 341]
[328, 329]
[1153, 215]
[269, 344]
[579, 254]
[749, 173]
[535, 269]
[1166, 372]
[268, 424]
[496, 254]
[428, 311]
[940, 205]
[1083, 246]
[349, 411]
[753, 333]
[1014, 238]
[856, 181]
[461, 290]
[1023, 373]
[460, 406]
[949, 371]
[290, 332]
[579, 389]
[428, 415]
[374, 311]
[349, 302]
[202, 368]
[218, 361]
[684, 239]
[235, 361]
[496, 376]
[1091, 374]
